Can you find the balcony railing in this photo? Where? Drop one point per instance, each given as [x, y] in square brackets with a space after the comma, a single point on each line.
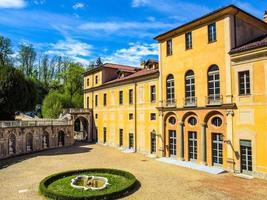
[214, 100]
[190, 102]
[76, 110]
[169, 103]
[6, 124]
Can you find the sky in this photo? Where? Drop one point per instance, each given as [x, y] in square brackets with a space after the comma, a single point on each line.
[118, 31]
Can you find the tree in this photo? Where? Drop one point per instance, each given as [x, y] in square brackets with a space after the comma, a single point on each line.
[26, 58]
[52, 105]
[99, 61]
[73, 84]
[16, 93]
[5, 51]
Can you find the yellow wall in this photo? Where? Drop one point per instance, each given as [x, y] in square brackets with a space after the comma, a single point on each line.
[250, 117]
[114, 116]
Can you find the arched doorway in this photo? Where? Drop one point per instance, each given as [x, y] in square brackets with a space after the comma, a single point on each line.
[45, 140]
[61, 138]
[29, 142]
[11, 144]
[81, 128]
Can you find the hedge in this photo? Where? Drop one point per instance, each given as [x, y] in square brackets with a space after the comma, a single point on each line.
[43, 187]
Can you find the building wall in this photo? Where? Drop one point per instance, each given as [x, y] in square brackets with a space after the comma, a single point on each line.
[114, 116]
[37, 132]
[250, 116]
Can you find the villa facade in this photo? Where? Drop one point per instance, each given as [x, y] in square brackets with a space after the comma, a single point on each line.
[204, 102]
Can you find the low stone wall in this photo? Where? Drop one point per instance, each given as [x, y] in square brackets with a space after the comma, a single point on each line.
[20, 140]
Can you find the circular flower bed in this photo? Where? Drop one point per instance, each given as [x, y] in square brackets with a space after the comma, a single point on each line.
[58, 186]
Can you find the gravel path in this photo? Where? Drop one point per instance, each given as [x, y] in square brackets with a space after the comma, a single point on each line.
[19, 177]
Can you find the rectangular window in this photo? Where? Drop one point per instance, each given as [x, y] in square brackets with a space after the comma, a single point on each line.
[188, 40]
[246, 156]
[105, 99]
[130, 116]
[212, 32]
[153, 143]
[244, 83]
[169, 47]
[131, 96]
[152, 93]
[131, 140]
[87, 102]
[104, 135]
[217, 149]
[192, 145]
[121, 97]
[152, 116]
[96, 100]
[96, 115]
[87, 82]
[96, 79]
[121, 138]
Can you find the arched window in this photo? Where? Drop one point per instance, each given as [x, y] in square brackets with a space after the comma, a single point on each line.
[45, 140]
[170, 89]
[29, 142]
[213, 83]
[11, 144]
[190, 88]
[61, 138]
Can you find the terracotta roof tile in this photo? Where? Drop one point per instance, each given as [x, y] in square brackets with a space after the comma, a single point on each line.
[139, 73]
[121, 67]
[256, 43]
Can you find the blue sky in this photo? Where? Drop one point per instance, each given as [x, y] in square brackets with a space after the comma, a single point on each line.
[119, 31]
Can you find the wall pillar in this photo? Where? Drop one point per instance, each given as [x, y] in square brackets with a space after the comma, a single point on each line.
[203, 144]
[230, 147]
[181, 141]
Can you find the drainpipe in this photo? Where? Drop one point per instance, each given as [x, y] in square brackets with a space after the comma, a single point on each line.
[135, 117]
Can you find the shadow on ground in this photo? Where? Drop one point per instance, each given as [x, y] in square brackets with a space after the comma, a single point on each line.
[135, 189]
[77, 148]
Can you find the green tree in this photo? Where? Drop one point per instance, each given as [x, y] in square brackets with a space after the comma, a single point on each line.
[73, 84]
[26, 58]
[52, 105]
[16, 93]
[5, 51]
[99, 61]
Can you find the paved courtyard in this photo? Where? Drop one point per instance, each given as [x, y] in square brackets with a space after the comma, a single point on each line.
[19, 177]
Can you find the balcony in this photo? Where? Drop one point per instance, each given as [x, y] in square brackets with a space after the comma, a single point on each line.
[170, 103]
[214, 100]
[190, 102]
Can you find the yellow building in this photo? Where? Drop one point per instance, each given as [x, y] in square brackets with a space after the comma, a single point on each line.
[123, 100]
[211, 95]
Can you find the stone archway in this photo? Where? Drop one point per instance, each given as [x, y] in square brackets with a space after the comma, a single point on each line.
[61, 138]
[81, 125]
[11, 144]
[45, 140]
[29, 142]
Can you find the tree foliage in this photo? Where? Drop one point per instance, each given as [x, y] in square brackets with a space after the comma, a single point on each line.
[52, 105]
[16, 92]
[26, 58]
[5, 51]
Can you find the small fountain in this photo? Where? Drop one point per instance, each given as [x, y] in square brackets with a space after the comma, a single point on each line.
[89, 182]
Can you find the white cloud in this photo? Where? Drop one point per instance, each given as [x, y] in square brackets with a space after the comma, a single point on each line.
[39, 2]
[138, 3]
[12, 3]
[78, 5]
[173, 7]
[133, 55]
[121, 25]
[74, 49]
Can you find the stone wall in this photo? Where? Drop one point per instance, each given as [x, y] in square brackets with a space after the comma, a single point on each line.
[21, 140]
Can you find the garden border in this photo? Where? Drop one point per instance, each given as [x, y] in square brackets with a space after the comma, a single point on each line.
[43, 186]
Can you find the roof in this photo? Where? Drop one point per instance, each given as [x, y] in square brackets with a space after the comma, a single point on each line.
[202, 18]
[120, 67]
[256, 43]
[138, 74]
[124, 68]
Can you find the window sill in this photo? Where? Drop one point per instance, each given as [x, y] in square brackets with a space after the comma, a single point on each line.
[244, 95]
[187, 49]
[210, 42]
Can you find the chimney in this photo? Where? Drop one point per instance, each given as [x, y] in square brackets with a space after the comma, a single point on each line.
[265, 17]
